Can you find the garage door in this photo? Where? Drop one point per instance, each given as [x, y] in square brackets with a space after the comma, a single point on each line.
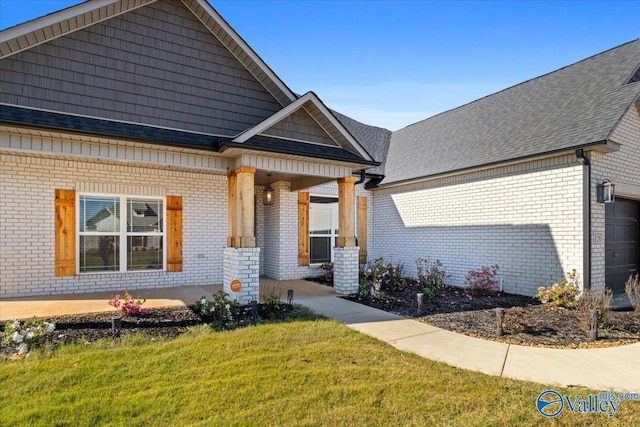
[621, 243]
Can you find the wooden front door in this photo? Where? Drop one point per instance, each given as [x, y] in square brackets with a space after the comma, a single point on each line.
[622, 237]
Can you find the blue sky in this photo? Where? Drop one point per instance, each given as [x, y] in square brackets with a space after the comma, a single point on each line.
[392, 63]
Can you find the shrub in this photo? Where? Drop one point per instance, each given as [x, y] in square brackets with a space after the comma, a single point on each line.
[431, 275]
[515, 320]
[379, 277]
[27, 335]
[129, 305]
[632, 288]
[327, 276]
[271, 305]
[601, 301]
[222, 311]
[563, 293]
[482, 282]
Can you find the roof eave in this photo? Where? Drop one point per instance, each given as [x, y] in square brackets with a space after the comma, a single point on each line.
[602, 146]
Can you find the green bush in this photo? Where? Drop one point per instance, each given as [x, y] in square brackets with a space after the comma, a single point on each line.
[431, 275]
[563, 293]
[379, 278]
[222, 311]
[24, 336]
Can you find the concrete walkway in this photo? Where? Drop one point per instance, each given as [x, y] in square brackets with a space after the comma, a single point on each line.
[614, 368]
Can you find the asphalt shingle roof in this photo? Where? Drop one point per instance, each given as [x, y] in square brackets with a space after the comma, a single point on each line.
[574, 106]
[374, 139]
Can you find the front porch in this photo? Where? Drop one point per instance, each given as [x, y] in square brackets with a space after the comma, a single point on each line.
[62, 305]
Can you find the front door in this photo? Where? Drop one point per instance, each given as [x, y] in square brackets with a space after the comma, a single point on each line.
[622, 237]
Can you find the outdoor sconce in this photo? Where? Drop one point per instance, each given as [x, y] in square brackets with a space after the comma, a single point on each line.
[268, 193]
[606, 192]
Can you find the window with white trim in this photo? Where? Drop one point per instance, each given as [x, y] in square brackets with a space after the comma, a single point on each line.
[323, 228]
[120, 233]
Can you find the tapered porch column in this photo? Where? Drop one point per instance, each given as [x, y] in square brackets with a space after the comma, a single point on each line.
[241, 258]
[346, 253]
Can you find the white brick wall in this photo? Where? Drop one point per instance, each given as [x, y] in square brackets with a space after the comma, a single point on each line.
[526, 218]
[242, 264]
[280, 250]
[623, 169]
[346, 270]
[27, 223]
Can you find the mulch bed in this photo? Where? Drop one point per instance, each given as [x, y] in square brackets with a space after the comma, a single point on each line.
[541, 326]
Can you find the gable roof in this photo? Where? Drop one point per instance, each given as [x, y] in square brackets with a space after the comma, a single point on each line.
[49, 27]
[374, 139]
[574, 107]
[323, 117]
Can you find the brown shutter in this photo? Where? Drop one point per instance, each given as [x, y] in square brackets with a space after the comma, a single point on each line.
[303, 229]
[65, 233]
[362, 228]
[174, 234]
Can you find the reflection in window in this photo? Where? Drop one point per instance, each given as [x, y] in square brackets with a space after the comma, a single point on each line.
[323, 229]
[109, 242]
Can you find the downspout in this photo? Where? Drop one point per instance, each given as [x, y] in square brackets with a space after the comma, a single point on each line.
[361, 180]
[586, 214]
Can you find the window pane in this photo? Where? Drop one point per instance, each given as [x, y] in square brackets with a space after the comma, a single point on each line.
[99, 253]
[101, 214]
[320, 219]
[320, 250]
[144, 253]
[145, 215]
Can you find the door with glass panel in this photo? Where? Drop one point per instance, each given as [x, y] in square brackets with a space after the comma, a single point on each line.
[323, 228]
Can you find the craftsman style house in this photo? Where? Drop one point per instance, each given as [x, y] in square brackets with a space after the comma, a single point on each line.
[144, 144]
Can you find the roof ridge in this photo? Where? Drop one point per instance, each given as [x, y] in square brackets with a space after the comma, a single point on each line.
[518, 84]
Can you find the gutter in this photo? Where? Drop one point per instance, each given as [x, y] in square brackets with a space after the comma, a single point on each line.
[586, 215]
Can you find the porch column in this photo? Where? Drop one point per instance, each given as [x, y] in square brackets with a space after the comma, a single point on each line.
[346, 253]
[241, 259]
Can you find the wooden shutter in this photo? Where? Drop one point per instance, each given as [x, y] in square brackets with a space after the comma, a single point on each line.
[362, 228]
[303, 229]
[65, 233]
[174, 234]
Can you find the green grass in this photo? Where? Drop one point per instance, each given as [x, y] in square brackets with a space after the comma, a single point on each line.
[313, 372]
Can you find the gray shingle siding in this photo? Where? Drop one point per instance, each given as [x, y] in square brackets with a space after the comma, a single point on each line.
[156, 65]
[576, 105]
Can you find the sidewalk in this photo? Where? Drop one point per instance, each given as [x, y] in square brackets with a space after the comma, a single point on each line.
[614, 368]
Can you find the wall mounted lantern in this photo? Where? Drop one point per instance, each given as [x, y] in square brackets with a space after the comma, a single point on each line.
[268, 193]
[606, 192]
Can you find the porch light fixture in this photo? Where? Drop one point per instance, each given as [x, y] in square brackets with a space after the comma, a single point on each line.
[268, 193]
[606, 192]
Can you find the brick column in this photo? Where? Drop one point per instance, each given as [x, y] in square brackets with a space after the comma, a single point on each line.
[242, 264]
[346, 269]
[241, 259]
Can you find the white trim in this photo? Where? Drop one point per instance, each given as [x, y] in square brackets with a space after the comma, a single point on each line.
[298, 140]
[122, 234]
[245, 47]
[292, 108]
[22, 30]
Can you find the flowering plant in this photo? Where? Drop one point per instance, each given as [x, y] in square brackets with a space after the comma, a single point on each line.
[431, 275]
[379, 277]
[24, 336]
[483, 281]
[563, 293]
[222, 310]
[129, 305]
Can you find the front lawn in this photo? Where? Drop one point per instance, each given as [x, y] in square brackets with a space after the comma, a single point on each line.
[315, 372]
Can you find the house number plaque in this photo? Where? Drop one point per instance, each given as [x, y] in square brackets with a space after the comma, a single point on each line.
[236, 285]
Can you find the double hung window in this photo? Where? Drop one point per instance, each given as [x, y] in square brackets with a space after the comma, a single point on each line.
[120, 233]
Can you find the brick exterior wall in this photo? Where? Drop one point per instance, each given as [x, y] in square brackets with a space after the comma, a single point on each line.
[27, 223]
[280, 250]
[527, 218]
[242, 264]
[346, 270]
[623, 169]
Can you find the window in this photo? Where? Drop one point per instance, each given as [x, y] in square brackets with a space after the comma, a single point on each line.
[323, 229]
[120, 233]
